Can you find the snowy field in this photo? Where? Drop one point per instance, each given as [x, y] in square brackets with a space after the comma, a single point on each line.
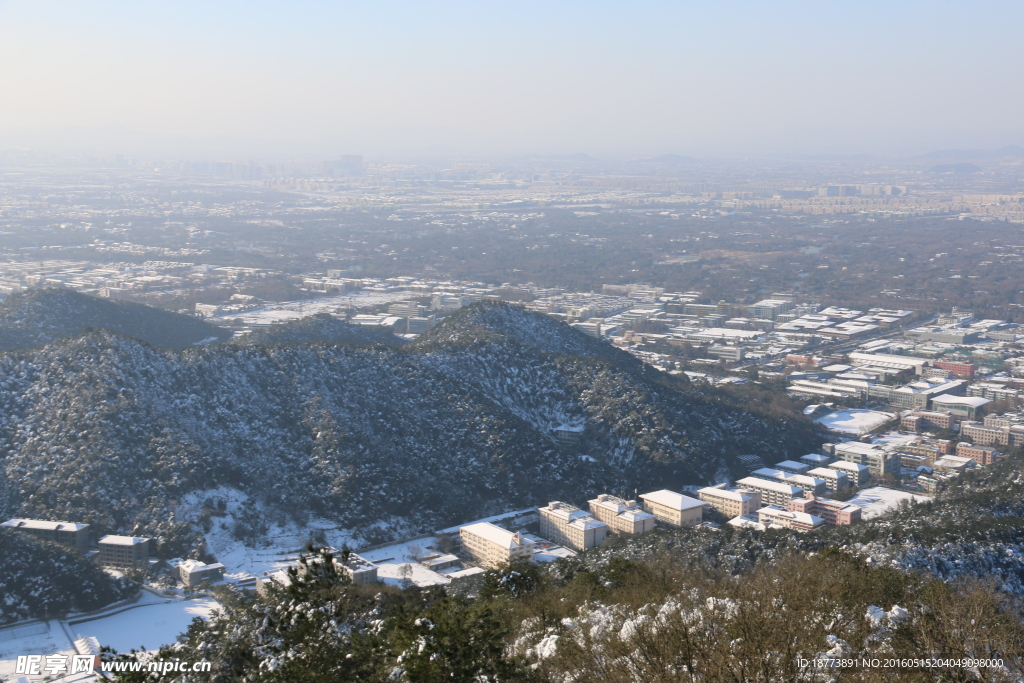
[147, 627]
[878, 500]
[294, 310]
[855, 421]
[40, 638]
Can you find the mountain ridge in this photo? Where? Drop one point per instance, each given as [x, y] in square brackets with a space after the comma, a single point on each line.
[34, 318]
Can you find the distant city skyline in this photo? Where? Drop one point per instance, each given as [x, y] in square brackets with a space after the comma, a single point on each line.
[467, 79]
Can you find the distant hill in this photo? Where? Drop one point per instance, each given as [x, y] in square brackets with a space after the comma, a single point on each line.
[1008, 152]
[38, 317]
[955, 168]
[322, 327]
[674, 159]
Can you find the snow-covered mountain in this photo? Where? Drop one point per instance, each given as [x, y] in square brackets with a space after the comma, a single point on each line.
[34, 318]
[113, 432]
[322, 327]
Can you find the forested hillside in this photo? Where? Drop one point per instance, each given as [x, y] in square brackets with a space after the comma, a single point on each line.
[109, 431]
[34, 318]
[40, 579]
[322, 327]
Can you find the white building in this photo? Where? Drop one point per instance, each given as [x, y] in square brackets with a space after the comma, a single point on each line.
[673, 509]
[493, 546]
[621, 516]
[567, 525]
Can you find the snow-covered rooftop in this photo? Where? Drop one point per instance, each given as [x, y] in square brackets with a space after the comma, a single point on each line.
[671, 499]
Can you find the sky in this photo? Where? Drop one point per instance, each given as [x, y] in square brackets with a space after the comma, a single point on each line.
[508, 78]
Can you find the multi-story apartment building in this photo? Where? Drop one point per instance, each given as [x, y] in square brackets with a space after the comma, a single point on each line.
[816, 459]
[809, 484]
[567, 525]
[193, 572]
[673, 509]
[771, 515]
[123, 552]
[769, 308]
[957, 367]
[491, 546]
[731, 502]
[66, 533]
[925, 420]
[834, 512]
[877, 459]
[995, 430]
[992, 391]
[983, 455]
[621, 516]
[772, 492]
[835, 480]
[856, 473]
[793, 467]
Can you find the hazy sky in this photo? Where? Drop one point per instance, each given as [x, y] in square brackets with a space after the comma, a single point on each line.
[489, 77]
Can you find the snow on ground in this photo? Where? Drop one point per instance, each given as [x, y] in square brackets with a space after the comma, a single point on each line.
[37, 638]
[894, 439]
[394, 573]
[878, 500]
[284, 541]
[855, 421]
[294, 310]
[546, 551]
[405, 551]
[146, 627]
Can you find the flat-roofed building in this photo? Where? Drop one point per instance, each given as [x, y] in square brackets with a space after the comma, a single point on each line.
[927, 420]
[835, 480]
[966, 407]
[792, 467]
[621, 516]
[834, 512]
[878, 460]
[492, 546]
[816, 459]
[995, 430]
[673, 509]
[772, 492]
[888, 361]
[770, 515]
[65, 533]
[810, 484]
[856, 473]
[567, 525]
[193, 572]
[952, 463]
[123, 552]
[731, 502]
[358, 568]
[983, 455]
